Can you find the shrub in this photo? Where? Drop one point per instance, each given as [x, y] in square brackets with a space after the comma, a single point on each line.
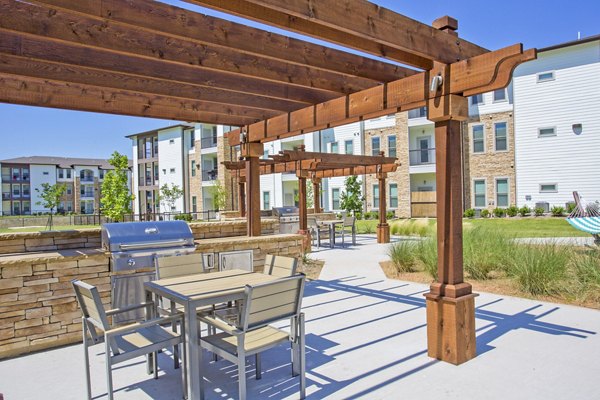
[184, 217]
[485, 213]
[587, 270]
[539, 269]
[364, 226]
[499, 212]
[557, 211]
[410, 227]
[512, 211]
[390, 215]
[571, 207]
[539, 211]
[427, 255]
[403, 256]
[469, 213]
[524, 211]
[485, 250]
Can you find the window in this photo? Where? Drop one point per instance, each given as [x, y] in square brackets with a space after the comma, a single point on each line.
[194, 204]
[500, 95]
[349, 147]
[393, 195]
[45, 173]
[266, 200]
[375, 146]
[546, 132]
[479, 193]
[16, 174]
[26, 207]
[172, 170]
[500, 134]
[101, 174]
[193, 168]
[502, 192]
[335, 199]
[69, 190]
[192, 139]
[548, 188]
[417, 113]
[334, 147]
[545, 77]
[266, 154]
[69, 205]
[171, 141]
[478, 139]
[26, 191]
[477, 99]
[16, 190]
[60, 173]
[375, 196]
[68, 171]
[392, 146]
[25, 174]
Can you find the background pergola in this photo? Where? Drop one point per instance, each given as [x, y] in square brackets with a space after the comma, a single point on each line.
[146, 58]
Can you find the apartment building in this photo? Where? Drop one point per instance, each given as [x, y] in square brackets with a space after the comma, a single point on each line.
[186, 156]
[22, 177]
[518, 147]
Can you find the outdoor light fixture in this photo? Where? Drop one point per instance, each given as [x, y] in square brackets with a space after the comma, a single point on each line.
[577, 129]
[436, 83]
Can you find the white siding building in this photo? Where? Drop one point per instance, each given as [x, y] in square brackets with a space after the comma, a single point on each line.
[557, 124]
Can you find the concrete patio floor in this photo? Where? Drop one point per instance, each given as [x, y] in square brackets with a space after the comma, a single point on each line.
[366, 338]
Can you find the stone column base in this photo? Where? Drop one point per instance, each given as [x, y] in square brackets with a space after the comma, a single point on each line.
[383, 233]
[451, 328]
[306, 241]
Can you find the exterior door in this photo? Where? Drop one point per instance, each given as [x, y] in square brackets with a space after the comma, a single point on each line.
[424, 147]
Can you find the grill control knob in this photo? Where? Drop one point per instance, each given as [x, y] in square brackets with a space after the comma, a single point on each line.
[131, 262]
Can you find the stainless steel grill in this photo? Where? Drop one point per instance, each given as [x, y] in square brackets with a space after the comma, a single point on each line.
[289, 219]
[134, 246]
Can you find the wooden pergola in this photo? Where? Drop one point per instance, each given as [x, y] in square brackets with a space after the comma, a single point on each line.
[147, 58]
[316, 166]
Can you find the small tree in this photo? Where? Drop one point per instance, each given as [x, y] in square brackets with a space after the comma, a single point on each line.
[351, 198]
[219, 195]
[310, 196]
[50, 198]
[116, 198]
[170, 195]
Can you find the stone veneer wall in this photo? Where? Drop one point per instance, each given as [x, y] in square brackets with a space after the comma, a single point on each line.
[490, 164]
[402, 176]
[38, 309]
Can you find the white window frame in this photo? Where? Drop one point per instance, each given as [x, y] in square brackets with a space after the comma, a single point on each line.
[331, 144]
[172, 170]
[504, 100]
[547, 127]
[484, 193]
[473, 139]
[390, 196]
[396, 145]
[479, 103]
[496, 179]
[539, 78]
[351, 145]
[375, 205]
[378, 147]
[339, 198]
[507, 144]
[548, 191]
[262, 198]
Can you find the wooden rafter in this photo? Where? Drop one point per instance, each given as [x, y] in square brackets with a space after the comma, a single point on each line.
[357, 24]
[480, 74]
[159, 17]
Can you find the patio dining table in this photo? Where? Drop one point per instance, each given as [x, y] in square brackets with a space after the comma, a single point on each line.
[198, 290]
[332, 224]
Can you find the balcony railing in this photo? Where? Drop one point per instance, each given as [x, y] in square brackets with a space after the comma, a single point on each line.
[210, 175]
[208, 142]
[87, 193]
[6, 177]
[420, 112]
[87, 179]
[422, 156]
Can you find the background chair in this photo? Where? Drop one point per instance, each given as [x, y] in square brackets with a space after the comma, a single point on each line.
[318, 231]
[280, 266]
[262, 305]
[349, 226]
[124, 342]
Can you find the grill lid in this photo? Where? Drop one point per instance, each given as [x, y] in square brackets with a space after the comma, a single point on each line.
[285, 211]
[131, 236]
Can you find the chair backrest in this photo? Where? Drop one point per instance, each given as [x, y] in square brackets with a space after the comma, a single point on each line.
[174, 266]
[349, 221]
[91, 304]
[270, 302]
[280, 266]
[311, 222]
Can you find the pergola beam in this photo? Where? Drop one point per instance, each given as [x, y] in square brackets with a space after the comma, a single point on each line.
[160, 17]
[477, 75]
[358, 24]
[55, 94]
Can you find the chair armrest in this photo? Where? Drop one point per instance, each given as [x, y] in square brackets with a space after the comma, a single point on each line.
[222, 325]
[141, 325]
[129, 308]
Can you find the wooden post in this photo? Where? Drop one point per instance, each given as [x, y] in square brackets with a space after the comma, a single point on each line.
[383, 229]
[303, 228]
[251, 153]
[242, 196]
[450, 302]
[316, 182]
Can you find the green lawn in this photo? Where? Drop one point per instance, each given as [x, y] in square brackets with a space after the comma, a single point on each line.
[42, 228]
[516, 227]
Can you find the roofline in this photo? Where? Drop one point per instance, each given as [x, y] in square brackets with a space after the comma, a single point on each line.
[158, 129]
[571, 43]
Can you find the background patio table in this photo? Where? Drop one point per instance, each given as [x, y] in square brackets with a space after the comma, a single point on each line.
[332, 223]
[193, 291]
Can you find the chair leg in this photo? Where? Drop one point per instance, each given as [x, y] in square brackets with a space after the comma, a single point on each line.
[155, 364]
[109, 383]
[242, 376]
[294, 346]
[86, 358]
[184, 373]
[258, 366]
[302, 358]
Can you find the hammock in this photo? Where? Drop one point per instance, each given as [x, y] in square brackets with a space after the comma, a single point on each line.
[586, 218]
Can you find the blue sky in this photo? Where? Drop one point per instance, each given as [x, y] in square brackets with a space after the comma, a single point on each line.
[492, 24]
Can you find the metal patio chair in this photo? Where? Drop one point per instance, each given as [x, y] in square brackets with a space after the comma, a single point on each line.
[318, 231]
[280, 266]
[123, 343]
[251, 334]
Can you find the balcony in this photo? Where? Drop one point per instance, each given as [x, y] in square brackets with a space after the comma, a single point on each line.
[87, 194]
[210, 175]
[208, 142]
[87, 179]
[422, 156]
